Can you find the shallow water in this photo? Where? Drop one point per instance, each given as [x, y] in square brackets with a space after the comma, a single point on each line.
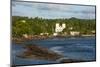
[70, 47]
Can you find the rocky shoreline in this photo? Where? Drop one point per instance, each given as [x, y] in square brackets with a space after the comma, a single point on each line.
[39, 37]
[23, 39]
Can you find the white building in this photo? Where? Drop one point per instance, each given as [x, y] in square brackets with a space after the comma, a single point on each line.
[23, 21]
[59, 28]
[25, 35]
[93, 31]
[44, 33]
[74, 33]
[55, 34]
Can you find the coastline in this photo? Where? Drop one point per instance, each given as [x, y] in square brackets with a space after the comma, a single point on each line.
[39, 37]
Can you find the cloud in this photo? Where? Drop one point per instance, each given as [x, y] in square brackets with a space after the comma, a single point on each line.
[66, 8]
[52, 7]
[81, 12]
[21, 3]
[55, 7]
[51, 10]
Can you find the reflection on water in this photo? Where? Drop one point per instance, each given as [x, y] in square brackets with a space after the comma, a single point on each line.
[71, 47]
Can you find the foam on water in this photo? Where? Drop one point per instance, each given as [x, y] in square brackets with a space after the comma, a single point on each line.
[57, 49]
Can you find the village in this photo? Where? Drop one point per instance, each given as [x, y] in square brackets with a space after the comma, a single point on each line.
[58, 33]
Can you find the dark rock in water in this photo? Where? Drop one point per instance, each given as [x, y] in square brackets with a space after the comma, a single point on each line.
[70, 60]
[37, 52]
[67, 61]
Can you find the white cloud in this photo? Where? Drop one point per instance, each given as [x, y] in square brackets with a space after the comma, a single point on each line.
[52, 10]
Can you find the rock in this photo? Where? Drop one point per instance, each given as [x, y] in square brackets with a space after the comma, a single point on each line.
[37, 52]
[70, 60]
[19, 40]
[67, 61]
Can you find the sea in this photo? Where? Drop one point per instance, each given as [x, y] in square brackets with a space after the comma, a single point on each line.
[80, 48]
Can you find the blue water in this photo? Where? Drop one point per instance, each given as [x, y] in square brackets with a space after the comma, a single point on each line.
[70, 47]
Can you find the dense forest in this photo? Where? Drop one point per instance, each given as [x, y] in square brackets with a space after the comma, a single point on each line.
[37, 25]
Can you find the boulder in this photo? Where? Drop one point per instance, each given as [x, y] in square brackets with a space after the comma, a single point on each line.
[37, 52]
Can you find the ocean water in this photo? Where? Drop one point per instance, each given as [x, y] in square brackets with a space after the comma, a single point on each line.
[83, 48]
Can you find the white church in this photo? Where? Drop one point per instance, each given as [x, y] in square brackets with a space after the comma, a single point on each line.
[59, 28]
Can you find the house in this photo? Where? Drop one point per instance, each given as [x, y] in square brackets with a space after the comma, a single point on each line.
[74, 33]
[25, 35]
[55, 34]
[93, 32]
[23, 21]
[44, 33]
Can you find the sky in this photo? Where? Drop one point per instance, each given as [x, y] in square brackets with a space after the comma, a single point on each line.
[52, 11]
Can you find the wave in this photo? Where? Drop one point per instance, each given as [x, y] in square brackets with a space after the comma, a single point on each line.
[57, 49]
[60, 59]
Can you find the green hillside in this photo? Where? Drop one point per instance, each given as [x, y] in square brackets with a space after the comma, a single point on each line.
[35, 26]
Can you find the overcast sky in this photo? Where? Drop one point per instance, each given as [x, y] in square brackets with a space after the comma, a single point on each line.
[52, 11]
